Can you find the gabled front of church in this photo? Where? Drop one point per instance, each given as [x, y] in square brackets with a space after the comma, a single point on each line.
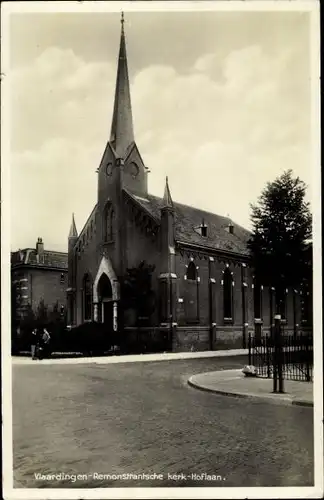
[206, 297]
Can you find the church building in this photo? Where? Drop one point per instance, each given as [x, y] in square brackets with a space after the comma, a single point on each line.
[206, 293]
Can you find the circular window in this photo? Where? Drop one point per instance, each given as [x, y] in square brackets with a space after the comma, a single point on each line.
[133, 169]
[109, 169]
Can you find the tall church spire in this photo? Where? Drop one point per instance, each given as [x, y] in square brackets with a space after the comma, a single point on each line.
[73, 230]
[122, 134]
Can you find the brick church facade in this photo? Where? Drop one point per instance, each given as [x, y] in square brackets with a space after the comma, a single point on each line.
[207, 296]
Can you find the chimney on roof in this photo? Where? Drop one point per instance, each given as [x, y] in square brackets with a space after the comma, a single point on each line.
[40, 249]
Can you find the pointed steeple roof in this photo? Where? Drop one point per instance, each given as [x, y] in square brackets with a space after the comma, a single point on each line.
[167, 200]
[73, 230]
[122, 134]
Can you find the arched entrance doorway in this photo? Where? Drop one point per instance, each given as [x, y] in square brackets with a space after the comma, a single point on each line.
[106, 294]
[105, 298]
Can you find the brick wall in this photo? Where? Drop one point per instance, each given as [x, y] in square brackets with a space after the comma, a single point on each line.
[142, 247]
[195, 338]
[138, 247]
[46, 285]
[139, 183]
[216, 272]
[227, 337]
[20, 289]
[32, 285]
[224, 335]
[145, 339]
[86, 262]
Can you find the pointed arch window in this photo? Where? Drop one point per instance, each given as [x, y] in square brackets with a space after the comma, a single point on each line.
[112, 224]
[87, 297]
[191, 293]
[257, 298]
[228, 295]
[109, 223]
[191, 272]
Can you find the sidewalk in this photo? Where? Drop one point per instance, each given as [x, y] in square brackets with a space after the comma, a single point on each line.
[234, 383]
[130, 358]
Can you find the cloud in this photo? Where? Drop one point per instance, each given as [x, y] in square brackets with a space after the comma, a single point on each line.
[219, 130]
[44, 184]
[57, 95]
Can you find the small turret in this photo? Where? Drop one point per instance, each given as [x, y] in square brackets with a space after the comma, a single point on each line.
[167, 200]
[167, 269]
[73, 230]
[167, 230]
[72, 239]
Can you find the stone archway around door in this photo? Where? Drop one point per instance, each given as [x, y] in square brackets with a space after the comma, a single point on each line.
[106, 294]
[105, 304]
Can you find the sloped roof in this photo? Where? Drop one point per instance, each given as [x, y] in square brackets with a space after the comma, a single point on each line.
[87, 224]
[28, 256]
[188, 221]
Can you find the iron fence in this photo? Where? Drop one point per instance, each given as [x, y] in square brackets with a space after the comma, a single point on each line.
[294, 353]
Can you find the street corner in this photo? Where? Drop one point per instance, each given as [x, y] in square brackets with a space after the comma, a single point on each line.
[214, 381]
[235, 384]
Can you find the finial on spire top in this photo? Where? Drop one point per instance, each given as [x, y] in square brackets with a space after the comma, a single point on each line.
[122, 20]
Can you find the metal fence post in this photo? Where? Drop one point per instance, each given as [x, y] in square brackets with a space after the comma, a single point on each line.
[268, 355]
[278, 352]
[307, 358]
[275, 356]
[250, 345]
[295, 313]
[275, 373]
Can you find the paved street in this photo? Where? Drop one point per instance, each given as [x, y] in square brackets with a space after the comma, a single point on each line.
[138, 418]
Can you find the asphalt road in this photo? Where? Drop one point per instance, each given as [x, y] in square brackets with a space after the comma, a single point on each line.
[143, 418]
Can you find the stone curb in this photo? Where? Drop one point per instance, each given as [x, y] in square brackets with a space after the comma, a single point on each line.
[131, 358]
[266, 399]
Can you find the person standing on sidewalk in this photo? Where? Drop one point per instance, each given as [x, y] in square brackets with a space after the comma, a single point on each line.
[34, 342]
[45, 343]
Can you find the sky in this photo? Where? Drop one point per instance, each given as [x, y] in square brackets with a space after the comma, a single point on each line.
[221, 104]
